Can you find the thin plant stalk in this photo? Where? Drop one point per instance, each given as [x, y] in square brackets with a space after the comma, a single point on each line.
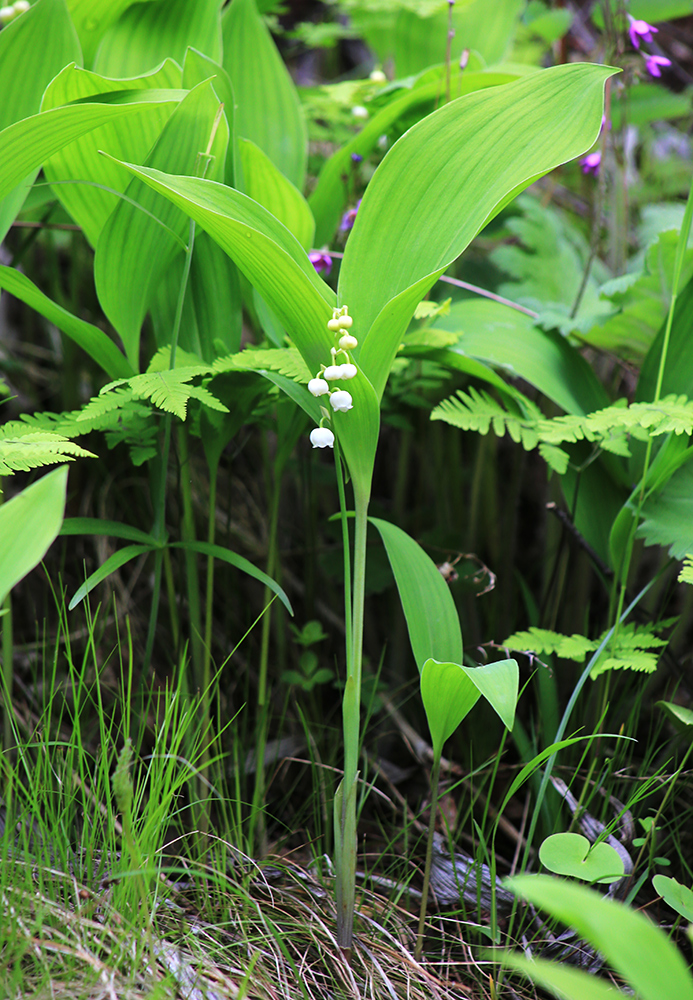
[435, 780]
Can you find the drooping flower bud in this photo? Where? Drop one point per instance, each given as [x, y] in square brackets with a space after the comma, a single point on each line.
[348, 342]
[349, 371]
[341, 400]
[322, 437]
[318, 386]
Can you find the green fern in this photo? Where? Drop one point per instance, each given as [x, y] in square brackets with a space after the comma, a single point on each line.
[633, 648]
[609, 428]
[23, 449]
[286, 360]
[686, 574]
[169, 390]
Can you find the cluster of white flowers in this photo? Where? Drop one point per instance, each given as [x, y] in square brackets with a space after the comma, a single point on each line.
[340, 368]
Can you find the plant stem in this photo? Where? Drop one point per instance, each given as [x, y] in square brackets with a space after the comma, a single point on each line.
[435, 776]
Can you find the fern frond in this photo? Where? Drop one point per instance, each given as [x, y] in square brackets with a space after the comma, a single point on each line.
[285, 360]
[543, 641]
[167, 389]
[36, 449]
[686, 574]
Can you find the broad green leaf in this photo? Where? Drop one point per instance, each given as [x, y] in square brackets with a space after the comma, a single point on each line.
[89, 337]
[268, 111]
[507, 338]
[91, 19]
[432, 619]
[443, 180]
[264, 183]
[25, 145]
[80, 160]
[111, 529]
[329, 196]
[114, 562]
[572, 854]
[29, 524]
[449, 691]
[635, 947]
[275, 263]
[668, 515]
[33, 49]
[679, 897]
[134, 250]
[219, 552]
[147, 33]
[563, 981]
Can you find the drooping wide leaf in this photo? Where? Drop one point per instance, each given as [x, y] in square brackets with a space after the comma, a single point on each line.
[634, 946]
[134, 250]
[81, 160]
[25, 145]
[147, 33]
[89, 337]
[29, 524]
[33, 49]
[443, 180]
[430, 612]
[268, 111]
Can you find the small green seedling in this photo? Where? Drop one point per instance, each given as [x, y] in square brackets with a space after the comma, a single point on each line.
[449, 692]
[572, 854]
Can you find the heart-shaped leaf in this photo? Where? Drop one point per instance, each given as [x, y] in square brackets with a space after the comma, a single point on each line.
[572, 854]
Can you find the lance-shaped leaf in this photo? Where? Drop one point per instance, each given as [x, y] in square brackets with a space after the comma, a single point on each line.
[33, 49]
[430, 612]
[444, 180]
[29, 523]
[89, 337]
[79, 160]
[268, 109]
[449, 691]
[147, 33]
[25, 145]
[267, 185]
[135, 247]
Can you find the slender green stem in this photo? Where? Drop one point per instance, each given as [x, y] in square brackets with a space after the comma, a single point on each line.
[346, 546]
[7, 672]
[192, 580]
[435, 778]
[159, 529]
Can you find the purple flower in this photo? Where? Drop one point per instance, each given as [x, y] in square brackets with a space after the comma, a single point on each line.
[640, 31]
[349, 218]
[356, 158]
[322, 262]
[652, 64]
[591, 163]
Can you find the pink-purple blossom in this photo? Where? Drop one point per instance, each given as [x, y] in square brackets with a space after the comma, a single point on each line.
[321, 261]
[349, 218]
[640, 31]
[591, 163]
[652, 64]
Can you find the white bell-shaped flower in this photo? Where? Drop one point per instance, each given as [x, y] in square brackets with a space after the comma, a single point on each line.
[348, 342]
[341, 400]
[318, 386]
[348, 371]
[322, 437]
[333, 372]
